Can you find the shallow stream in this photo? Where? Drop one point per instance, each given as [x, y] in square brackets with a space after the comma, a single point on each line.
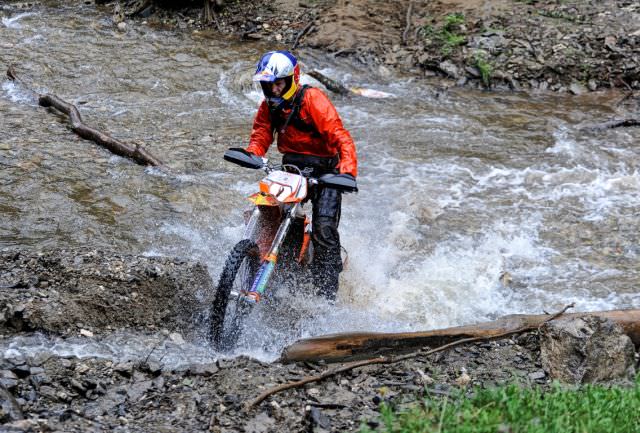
[457, 187]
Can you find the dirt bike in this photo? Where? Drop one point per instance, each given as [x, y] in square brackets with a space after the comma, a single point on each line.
[277, 235]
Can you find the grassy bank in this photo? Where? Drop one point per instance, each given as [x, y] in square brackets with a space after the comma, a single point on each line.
[590, 409]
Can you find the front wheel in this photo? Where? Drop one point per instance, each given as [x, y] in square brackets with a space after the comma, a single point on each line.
[227, 311]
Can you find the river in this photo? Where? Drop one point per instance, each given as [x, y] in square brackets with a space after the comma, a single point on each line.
[457, 187]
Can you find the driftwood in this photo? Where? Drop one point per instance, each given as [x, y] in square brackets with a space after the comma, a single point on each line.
[349, 346]
[138, 153]
[337, 87]
[393, 359]
[614, 124]
[408, 18]
[329, 83]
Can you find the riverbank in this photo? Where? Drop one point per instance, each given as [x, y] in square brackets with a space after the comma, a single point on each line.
[61, 310]
[542, 45]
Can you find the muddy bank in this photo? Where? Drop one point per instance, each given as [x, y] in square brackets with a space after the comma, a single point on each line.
[561, 46]
[65, 292]
[84, 297]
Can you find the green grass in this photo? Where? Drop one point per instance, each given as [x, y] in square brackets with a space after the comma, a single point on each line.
[591, 409]
[447, 35]
[485, 68]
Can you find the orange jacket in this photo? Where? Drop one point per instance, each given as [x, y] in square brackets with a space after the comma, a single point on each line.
[331, 137]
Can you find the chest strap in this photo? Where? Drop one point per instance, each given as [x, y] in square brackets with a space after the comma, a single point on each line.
[294, 116]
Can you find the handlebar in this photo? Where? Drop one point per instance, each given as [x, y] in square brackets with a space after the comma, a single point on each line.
[341, 182]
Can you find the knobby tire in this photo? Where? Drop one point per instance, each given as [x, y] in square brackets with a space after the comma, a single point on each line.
[245, 250]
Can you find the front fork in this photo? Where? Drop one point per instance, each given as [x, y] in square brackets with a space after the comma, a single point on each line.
[269, 263]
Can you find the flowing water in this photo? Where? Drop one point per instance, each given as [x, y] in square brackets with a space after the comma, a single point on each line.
[456, 187]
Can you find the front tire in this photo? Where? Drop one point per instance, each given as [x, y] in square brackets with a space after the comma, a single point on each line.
[227, 312]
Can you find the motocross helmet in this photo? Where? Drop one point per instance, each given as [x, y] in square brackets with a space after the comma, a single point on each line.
[273, 66]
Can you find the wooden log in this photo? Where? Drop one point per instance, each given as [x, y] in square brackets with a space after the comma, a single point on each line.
[360, 345]
[623, 123]
[329, 83]
[337, 87]
[137, 153]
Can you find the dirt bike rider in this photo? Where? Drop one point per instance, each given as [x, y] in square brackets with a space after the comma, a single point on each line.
[310, 134]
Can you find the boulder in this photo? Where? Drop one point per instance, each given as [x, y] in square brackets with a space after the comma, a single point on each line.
[586, 350]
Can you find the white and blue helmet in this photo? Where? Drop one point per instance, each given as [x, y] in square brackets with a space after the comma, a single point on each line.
[273, 66]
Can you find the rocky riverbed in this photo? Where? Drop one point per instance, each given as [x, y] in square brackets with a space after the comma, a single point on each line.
[105, 341]
[82, 298]
[572, 46]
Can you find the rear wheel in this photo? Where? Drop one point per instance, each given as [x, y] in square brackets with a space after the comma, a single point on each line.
[227, 311]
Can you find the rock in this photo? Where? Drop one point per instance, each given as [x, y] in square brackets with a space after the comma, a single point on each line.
[14, 357]
[138, 389]
[204, 369]
[86, 333]
[82, 368]
[424, 378]
[317, 418]
[464, 379]
[449, 69]
[586, 350]
[537, 375]
[122, 27]
[176, 337]
[22, 371]
[592, 85]
[8, 379]
[124, 368]
[261, 423]
[577, 88]
[610, 42]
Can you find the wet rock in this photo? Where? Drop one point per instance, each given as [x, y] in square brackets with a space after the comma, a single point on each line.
[204, 369]
[124, 368]
[261, 423]
[317, 418]
[22, 371]
[537, 375]
[48, 391]
[577, 88]
[585, 350]
[8, 379]
[138, 389]
[14, 357]
[449, 69]
[176, 337]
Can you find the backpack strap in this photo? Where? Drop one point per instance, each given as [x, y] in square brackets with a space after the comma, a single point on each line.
[294, 116]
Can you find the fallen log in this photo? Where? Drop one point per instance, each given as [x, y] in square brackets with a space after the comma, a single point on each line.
[624, 123]
[360, 345]
[392, 359]
[329, 83]
[340, 89]
[137, 153]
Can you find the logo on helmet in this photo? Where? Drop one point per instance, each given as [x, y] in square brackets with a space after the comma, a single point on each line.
[275, 65]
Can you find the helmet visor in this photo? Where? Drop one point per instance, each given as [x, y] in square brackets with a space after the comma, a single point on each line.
[264, 76]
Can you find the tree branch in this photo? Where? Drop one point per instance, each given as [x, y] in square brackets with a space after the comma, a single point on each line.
[136, 153]
[391, 359]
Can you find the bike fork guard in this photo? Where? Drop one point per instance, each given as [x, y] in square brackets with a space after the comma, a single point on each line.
[262, 278]
[269, 263]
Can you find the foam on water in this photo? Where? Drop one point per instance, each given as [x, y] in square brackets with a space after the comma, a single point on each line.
[14, 22]
[17, 93]
[118, 347]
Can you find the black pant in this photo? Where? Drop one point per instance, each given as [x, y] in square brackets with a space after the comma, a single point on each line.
[327, 262]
